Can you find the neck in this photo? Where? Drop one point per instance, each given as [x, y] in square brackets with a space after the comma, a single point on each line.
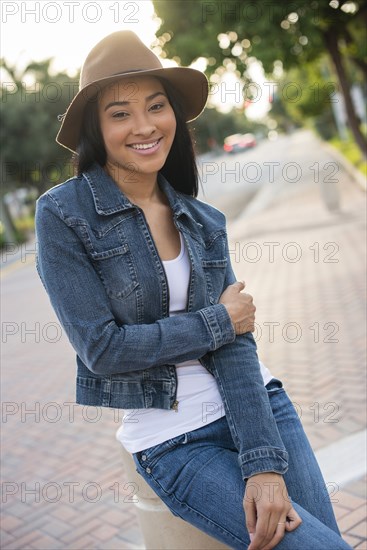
[140, 189]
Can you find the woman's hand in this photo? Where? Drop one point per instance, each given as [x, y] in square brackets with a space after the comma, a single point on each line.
[240, 307]
[269, 512]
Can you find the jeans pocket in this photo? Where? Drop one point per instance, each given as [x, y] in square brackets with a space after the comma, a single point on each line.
[150, 456]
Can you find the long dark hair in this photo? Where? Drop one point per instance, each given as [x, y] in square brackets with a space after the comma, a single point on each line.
[180, 168]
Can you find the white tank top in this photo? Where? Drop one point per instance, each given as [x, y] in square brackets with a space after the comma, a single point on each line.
[199, 401]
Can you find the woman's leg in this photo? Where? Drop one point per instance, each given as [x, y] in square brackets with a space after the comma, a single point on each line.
[197, 475]
[303, 479]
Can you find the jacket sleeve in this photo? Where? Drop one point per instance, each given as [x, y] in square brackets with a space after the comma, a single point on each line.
[82, 307]
[250, 418]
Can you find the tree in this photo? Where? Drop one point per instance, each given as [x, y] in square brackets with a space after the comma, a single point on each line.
[30, 104]
[294, 33]
[303, 96]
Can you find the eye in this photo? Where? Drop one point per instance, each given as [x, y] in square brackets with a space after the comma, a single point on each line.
[120, 114]
[157, 107]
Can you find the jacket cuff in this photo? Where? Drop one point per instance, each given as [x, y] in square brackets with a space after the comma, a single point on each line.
[220, 325]
[263, 459]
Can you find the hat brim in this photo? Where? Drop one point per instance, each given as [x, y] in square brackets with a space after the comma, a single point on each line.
[192, 85]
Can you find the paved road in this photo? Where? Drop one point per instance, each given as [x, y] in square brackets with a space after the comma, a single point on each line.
[272, 169]
[62, 477]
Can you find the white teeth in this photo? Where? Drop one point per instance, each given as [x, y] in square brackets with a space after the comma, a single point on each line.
[144, 145]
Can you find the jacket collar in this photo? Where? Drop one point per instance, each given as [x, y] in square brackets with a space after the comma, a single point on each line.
[109, 199]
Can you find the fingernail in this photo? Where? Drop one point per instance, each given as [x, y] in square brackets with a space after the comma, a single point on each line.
[251, 536]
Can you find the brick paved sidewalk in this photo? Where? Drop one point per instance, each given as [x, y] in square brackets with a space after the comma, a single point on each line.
[305, 267]
[62, 478]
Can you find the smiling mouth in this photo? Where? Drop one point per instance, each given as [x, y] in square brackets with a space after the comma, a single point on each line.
[144, 146]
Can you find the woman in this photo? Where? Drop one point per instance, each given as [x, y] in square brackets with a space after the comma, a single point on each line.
[138, 272]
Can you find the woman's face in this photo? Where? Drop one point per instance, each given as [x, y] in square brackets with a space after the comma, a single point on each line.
[138, 125]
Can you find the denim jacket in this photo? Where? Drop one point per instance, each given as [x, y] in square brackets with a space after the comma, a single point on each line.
[100, 267]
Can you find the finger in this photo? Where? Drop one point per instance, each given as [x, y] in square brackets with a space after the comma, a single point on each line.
[275, 533]
[278, 535]
[262, 536]
[293, 520]
[250, 512]
[240, 284]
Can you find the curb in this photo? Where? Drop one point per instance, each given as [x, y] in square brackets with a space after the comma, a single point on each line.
[334, 459]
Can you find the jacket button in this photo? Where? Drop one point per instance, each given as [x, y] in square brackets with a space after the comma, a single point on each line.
[148, 470]
[143, 457]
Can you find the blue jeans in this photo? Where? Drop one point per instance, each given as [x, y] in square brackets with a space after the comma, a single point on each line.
[197, 475]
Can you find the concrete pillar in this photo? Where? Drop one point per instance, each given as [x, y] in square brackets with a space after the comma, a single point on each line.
[161, 529]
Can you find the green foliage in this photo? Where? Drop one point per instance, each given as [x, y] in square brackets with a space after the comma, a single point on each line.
[25, 224]
[297, 34]
[350, 150]
[290, 32]
[20, 236]
[30, 105]
[306, 97]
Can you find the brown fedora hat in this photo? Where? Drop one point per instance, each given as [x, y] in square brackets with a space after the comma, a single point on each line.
[123, 54]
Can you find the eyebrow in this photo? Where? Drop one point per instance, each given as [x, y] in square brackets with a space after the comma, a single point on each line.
[122, 103]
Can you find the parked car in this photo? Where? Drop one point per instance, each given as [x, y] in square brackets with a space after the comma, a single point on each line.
[239, 142]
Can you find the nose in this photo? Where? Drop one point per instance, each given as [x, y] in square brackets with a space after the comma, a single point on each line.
[143, 126]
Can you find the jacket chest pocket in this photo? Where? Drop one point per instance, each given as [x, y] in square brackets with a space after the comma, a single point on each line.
[112, 259]
[215, 273]
[117, 271]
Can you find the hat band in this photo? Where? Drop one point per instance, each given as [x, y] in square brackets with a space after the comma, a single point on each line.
[119, 74]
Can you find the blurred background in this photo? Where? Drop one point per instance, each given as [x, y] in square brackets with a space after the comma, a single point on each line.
[281, 151]
[271, 72]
